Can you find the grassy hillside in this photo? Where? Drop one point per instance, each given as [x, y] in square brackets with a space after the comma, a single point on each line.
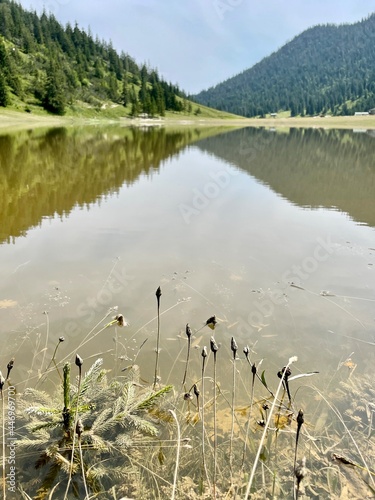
[45, 67]
[326, 69]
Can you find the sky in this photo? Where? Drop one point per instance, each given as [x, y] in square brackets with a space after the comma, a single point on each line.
[200, 43]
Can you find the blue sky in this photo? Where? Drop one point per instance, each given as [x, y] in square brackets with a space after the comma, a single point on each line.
[199, 43]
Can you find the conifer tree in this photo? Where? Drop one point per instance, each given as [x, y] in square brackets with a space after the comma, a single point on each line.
[54, 99]
[4, 99]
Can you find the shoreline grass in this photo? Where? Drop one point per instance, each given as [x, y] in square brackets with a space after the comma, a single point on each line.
[11, 120]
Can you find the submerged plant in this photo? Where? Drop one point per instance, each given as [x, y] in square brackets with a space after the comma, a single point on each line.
[114, 418]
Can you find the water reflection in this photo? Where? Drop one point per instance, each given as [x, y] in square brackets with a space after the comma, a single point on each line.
[309, 167]
[47, 173]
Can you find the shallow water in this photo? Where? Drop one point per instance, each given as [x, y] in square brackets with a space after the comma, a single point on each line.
[273, 232]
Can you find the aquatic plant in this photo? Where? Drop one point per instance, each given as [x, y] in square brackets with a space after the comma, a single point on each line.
[112, 418]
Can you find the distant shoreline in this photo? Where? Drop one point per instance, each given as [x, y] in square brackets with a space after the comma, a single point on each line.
[14, 120]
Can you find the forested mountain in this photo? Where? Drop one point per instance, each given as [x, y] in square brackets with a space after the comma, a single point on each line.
[44, 63]
[325, 69]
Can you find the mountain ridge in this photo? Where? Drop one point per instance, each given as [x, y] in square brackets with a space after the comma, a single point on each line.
[325, 69]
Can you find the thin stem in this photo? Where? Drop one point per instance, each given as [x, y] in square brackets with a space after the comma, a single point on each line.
[215, 430]
[83, 468]
[204, 465]
[79, 364]
[158, 294]
[188, 333]
[253, 371]
[260, 447]
[177, 454]
[234, 351]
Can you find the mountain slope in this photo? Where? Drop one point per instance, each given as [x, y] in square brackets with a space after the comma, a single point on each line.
[326, 68]
[65, 69]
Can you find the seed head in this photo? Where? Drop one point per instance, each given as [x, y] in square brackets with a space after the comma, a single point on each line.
[234, 347]
[300, 419]
[61, 339]
[188, 396]
[287, 371]
[79, 427]
[204, 352]
[246, 351]
[79, 360]
[213, 345]
[196, 390]
[188, 330]
[2, 381]
[211, 322]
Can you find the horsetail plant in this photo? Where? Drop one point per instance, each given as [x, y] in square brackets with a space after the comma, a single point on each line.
[158, 295]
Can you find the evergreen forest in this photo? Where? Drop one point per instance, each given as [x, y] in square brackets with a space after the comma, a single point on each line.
[326, 69]
[45, 64]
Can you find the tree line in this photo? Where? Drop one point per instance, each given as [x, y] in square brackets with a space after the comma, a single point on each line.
[43, 62]
[326, 69]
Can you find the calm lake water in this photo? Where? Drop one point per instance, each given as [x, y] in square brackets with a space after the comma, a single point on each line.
[272, 232]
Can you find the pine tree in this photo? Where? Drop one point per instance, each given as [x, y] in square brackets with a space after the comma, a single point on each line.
[54, 99]
[125, 91]
[4, 99]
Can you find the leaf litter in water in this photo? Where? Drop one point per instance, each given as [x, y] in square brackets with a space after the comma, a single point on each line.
[7, 303]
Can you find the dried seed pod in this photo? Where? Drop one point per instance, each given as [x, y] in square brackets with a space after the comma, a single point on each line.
[2, 381]
[213, 345]
[79, 427]
[188, 396]
[158, 294]
[61, 339]
[9, 367]
[234, 347]
[79, 360]
[300, 419]
[211, 322]
[204, 352]
[196, 390]
[246, 351]
[188, 330]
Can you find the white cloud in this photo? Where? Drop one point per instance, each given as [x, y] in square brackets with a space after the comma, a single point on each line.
[190, 42]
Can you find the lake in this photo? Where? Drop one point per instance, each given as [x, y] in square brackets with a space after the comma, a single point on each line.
[270, 231]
